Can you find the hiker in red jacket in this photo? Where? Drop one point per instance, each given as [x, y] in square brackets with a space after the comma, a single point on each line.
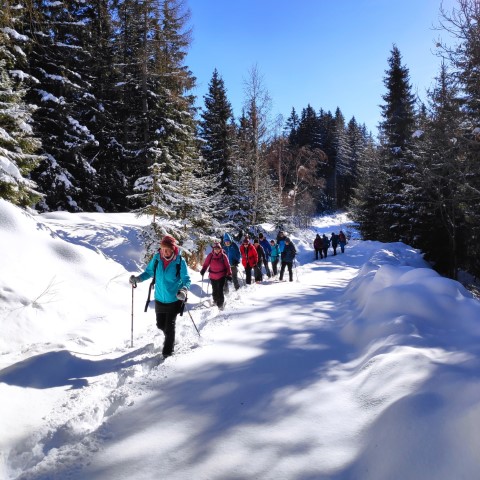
[249, 258]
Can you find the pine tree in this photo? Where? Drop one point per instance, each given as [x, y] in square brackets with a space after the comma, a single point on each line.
[439, 186]
[291, 127]
[396, 131]
[216, 131]
[463, 24]
[63, 99]
[17, 142]
[342, 165]
[368, 192]
[174, 186]
[103, 120]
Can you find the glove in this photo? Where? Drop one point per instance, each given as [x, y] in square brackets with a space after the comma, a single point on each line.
[202, 272]
[229, 278]
[134, 280]
[182, 294]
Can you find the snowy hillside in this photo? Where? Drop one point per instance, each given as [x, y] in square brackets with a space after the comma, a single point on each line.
[365, 367]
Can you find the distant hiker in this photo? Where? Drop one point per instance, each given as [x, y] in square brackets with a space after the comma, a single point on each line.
[288, 255]
[334, 242]
[169, 270]
[234, 257]
[219, 272]
[342, 241]
[267, 249]
[249, 258]
[317, 245]
[262, 258]
[281, 240]
[274, 256]
[325, 245]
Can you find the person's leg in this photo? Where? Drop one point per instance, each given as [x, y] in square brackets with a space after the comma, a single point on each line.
[216, 291]
[248, 275]
[221, 298]
[267, 270]
[282, 270]
[166, 315]
[236, 283]
[160, 317]
[258, 272]
[290, 271]
[274, 266]
[169, 342]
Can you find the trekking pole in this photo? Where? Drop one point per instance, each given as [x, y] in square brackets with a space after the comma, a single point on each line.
[131, 333]
[191, 318]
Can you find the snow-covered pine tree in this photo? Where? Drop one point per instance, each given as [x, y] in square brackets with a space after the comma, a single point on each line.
[104, 119]
[18, 145]
[343, 161]
[396, 130]
[438, 191]
[175, 187]
[64, 101]
[463, 24]
[217, 134]
[368, 192]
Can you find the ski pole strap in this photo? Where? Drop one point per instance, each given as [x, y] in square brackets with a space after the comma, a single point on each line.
[148, 299]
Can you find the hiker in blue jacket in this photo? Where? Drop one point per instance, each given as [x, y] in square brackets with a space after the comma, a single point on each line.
[268, 250]
[288, 255]
[234, 257]
[274, 256]
[171, 285]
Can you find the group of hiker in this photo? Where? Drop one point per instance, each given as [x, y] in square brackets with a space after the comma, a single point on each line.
[171, 280]
[322, 243]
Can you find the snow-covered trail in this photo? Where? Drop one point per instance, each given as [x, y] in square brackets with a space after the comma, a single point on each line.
[272, 362]
[366, 359]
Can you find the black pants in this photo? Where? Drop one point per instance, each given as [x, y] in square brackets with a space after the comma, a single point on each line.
[317, 252]
[166, 314]
[248, 275]
[258, 272]
[217, 291]
[325, 250]
[274, 266]
[290, 271]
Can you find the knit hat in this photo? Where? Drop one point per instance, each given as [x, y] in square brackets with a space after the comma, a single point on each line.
[255, 240]
[216, 245]
[169, 242]
[287, 240]
[246, 240]
[260, 235]
[227, 238]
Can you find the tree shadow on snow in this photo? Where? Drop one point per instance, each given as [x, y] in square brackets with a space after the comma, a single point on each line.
[62, 368]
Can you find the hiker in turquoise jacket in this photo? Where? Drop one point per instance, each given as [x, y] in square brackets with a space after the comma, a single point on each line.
[171, 285]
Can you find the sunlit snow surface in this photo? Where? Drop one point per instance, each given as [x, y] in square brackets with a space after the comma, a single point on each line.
[366, 366]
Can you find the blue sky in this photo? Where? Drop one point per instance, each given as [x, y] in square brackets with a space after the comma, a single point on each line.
[325, 53]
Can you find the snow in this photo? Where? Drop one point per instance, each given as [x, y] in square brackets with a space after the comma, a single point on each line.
[364, 367]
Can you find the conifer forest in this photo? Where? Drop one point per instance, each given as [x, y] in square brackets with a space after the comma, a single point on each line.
[97, 114]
